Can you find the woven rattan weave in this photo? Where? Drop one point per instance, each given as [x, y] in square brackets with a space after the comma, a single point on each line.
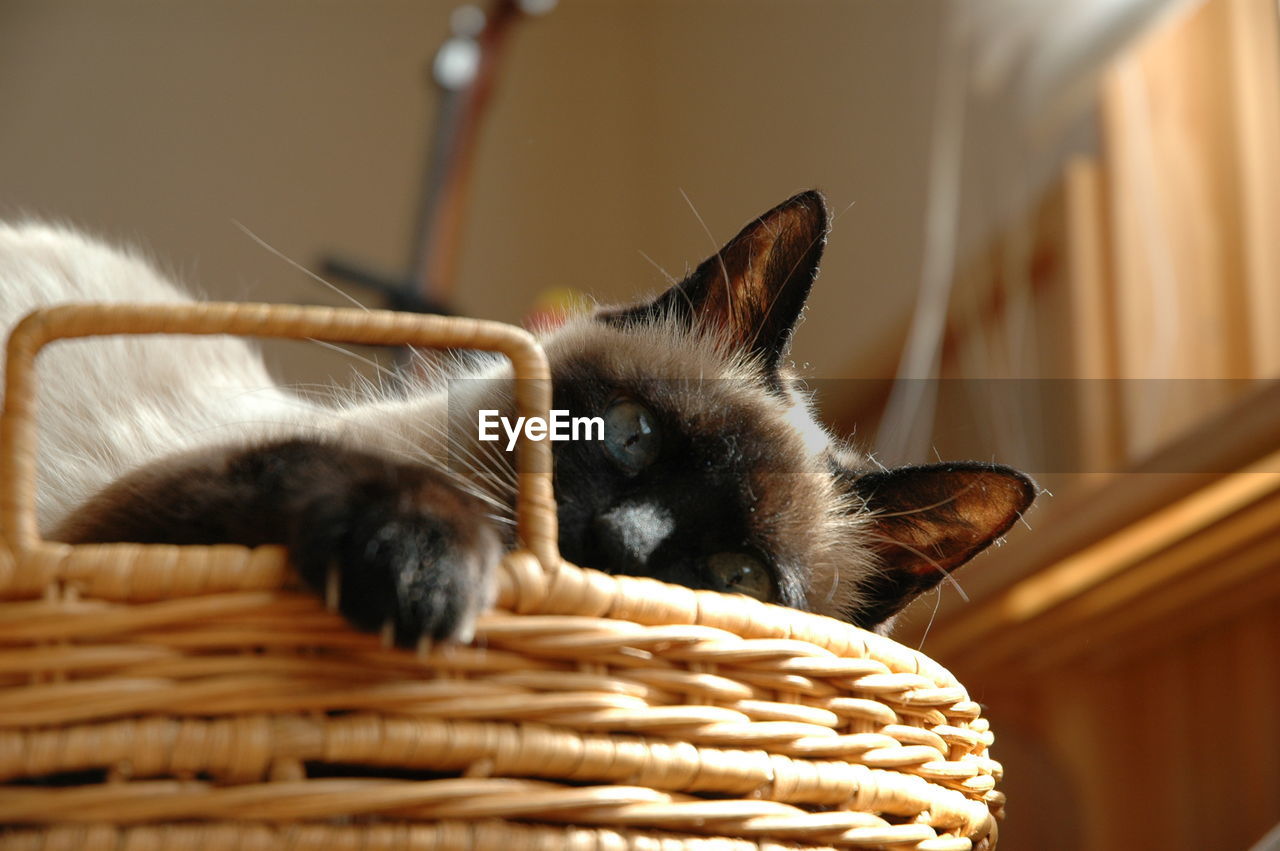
[228, 710]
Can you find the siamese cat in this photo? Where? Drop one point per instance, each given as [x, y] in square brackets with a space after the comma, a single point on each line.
[711, 470]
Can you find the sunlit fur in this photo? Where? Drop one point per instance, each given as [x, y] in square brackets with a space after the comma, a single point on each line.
[112, 404]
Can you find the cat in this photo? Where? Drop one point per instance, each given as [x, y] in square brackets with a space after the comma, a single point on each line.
[712, 470]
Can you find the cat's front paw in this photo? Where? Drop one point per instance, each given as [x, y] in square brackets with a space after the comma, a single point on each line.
[414, 559]
[393, 546]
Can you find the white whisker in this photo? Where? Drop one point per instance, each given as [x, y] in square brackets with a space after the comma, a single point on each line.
[295, 264]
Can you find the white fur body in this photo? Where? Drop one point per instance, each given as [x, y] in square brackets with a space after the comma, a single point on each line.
[112, 404]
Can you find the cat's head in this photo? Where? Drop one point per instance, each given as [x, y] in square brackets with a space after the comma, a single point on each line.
[713, 471]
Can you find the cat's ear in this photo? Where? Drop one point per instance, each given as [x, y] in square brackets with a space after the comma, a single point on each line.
[929, 520]
[753, 290]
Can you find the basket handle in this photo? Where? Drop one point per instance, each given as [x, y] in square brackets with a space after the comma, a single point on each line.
[535, 502]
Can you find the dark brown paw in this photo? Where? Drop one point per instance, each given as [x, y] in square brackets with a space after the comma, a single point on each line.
[393, 564]
[394, 547]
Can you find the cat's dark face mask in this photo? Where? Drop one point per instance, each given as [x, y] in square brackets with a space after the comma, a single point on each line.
[679, 489]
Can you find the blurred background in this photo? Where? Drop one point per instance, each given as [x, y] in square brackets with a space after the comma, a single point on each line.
[1056, 245]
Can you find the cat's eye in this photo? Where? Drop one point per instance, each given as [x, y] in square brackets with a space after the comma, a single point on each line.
[632, 437]
[741, 573]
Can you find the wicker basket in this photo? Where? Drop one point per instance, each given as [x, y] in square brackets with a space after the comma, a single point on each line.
[231, 711]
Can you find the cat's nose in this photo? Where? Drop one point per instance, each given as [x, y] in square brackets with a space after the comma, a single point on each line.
[631, 531]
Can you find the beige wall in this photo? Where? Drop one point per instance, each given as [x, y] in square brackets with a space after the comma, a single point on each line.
[162, 122]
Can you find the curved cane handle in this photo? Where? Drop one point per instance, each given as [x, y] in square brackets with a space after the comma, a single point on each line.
[535, 502]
